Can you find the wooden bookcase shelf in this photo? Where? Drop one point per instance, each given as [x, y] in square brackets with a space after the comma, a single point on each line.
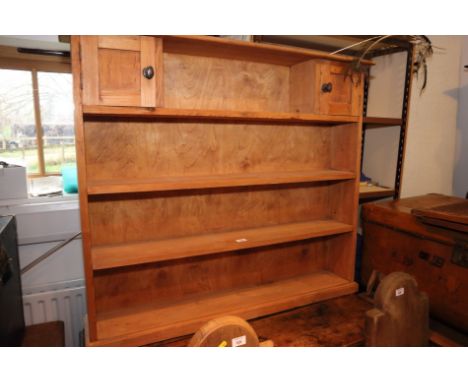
[217, 115]
[376, 122]
[375, 192]
[103, 187]
[215, 177]
[112, 256]
[155, 322]
[370, 193]
[240, 50]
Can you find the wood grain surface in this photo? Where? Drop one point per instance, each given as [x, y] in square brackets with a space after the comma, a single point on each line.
[335, 322]
[112, 256]
[157, 322]
[186, 148]
[224, 143]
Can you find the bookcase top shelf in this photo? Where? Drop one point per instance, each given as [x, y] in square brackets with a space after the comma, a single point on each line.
[220, 115]
[249, 51]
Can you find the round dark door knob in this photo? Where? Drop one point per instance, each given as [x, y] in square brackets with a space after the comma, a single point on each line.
[327, 88]
[148, 72]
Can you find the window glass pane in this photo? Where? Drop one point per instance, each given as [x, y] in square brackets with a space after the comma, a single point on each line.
[56, 101]
[18, 143]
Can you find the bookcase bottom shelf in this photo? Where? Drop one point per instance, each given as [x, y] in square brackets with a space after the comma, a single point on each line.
[152, 323]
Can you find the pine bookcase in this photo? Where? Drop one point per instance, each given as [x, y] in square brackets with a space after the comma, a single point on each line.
[215, 177]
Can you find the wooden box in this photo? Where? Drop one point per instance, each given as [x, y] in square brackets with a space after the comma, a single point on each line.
[396, 240]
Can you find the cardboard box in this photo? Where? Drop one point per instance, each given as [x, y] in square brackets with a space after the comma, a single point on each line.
[13, 182]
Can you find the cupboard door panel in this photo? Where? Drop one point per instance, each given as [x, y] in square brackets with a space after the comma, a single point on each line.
[113, 70]
[339, 92]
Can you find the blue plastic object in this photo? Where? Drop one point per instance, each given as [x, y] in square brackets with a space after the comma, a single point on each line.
[70, 179]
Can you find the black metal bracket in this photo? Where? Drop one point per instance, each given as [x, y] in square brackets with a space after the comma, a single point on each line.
[364, 114]
[404, 121]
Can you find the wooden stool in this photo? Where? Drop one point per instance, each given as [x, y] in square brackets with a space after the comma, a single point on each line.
[400, 316]
[228, 331]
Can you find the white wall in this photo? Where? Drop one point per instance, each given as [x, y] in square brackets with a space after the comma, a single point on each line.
[430, 158]
[460, 176]
[430, 147]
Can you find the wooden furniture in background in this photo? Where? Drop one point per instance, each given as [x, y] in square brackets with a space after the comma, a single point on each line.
[453, 216]
[336, 322]
[396, 240]
[400, 316]
[47, 334]
[236, 195]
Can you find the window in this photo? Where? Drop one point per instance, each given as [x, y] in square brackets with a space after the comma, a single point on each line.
[36, 120]
[56, 109]
[18, 139]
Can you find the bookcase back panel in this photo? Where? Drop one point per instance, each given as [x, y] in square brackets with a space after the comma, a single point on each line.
[165, 282]
[157, 149]
[344, 137]
[152, 216]
[194, 82]
[343, 195]
[338, 260]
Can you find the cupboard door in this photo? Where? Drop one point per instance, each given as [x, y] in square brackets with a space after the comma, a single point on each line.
[121, 71]
[340, 94]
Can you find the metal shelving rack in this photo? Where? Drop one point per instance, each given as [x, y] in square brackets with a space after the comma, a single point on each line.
[370, 122]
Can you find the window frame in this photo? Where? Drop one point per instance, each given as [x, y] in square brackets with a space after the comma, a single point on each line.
[11, 59]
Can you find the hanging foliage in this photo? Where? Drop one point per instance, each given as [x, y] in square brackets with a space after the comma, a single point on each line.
[366, 48]
[423, 50]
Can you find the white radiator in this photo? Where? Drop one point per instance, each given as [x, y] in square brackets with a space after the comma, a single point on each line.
[64, 301]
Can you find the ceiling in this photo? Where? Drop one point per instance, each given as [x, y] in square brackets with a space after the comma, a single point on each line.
[48, 42]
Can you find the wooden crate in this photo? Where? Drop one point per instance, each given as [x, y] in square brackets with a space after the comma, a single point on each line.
[396, 240]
